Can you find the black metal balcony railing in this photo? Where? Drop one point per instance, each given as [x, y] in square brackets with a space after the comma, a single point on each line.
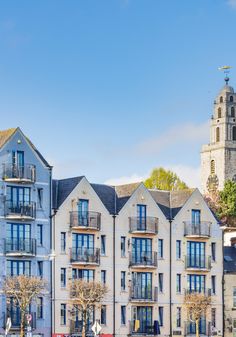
[85, 219]
[76, 327]
[26, 173]
[145, 224]
[148, 294]
[144, 328]
[199, 262]
[148, 259]
[190, 328]
[15, 320]
[20, 209]
[85, 255]
[203, 229]
[206, 291]
[21, 246]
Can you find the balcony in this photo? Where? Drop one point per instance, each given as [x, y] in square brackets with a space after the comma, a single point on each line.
[19, 174]
[198, 263]
[201, 230]
[190, 328]
[143, 294]
[76, 327]
[143, 330]
[20, 211]
[85, 256]
[206, 292]
[15, 320]
[143, 260]
[145, 225]
[85, 220]
[20, 247]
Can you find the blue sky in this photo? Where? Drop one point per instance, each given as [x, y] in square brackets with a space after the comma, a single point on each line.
[113, 88]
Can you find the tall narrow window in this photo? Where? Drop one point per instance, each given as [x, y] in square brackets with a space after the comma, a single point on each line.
[178, 317]
[213, 167]
[231, 98]
[63, 277]
[160, 248]
[213, 251]
[232, 112]
[63, 242]
[40, 197]
[122, 246]
[217, 134]
[221, 99]
[63, 314]
[178, 249]
[40, 235]
[103, 314]
[123, 280]
[219, 113]
[39, 307]
[40, 269]
[160, 282]
[178, 283]
[161, 311]
[123, 315]
[103, 244]
[234, 132]
[103, 276]
[213, 284]
[213, 317]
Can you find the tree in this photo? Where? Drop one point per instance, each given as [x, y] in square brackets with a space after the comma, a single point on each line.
[196, 305]
[84, 297]
[165, 180]
[23, 290]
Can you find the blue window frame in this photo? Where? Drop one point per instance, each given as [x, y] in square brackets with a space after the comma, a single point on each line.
[141, 217]
[103, 276]
[141, 249]
[142, 285]
[39, 307]
[82, 243]
[18, 158]
[196, 254]
[213, 284]
[160, 248]
[15, 268]
[123, 315]
[103, 244]
[161, 311]
[160, 282]
[40, 234]
[144, 316]
[196, 216]
[18, 237]
[85, 274]
[63, 314]
[122, 280]
[103, 314]
[178, 283]
[202, 327]
[40, 269]
[63, 277]
[178, 317]
[178, 249]
[63, 242]
[196, 283]
[18, 196]
[123, 246]
[83, 207]
[213, 251]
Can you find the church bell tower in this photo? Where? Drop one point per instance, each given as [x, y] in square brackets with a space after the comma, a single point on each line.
[218, 158]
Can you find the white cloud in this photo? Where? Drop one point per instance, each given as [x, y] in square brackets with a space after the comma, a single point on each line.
[232, 3]
[184, 133]
[134, 178]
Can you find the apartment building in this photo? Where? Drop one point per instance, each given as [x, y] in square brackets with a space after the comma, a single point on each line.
[150, 247]
[25, 236]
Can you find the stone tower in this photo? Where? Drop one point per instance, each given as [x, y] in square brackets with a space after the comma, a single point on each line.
[218, 158]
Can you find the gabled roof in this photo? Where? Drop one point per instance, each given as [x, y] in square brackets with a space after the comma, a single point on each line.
[5, 136]
[123, 193]
[62, 188]
[107, 195]
[178, 199]
[230, 259]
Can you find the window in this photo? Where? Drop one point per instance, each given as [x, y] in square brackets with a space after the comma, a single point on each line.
[160, 310]
[178, 249]
[123, 315]
[219, 113]
[15, 268]
[196, 254]
[141, 217]
[221, 99]
[40, 197]
[213, 167]
[103, 244]
[63, 277]
[234, 297]
[213, 251]
[63, 314]
[123, 280]
[160, 248]
[40, 234]
[196, 283]
[234, 132]
[232, 112]
[178, 317]
[103, 314]
[40, 269]
[122, 246]
[160, 282]
[196, 216]
[178, 283]
[213, 284]
[39, 307]
[213, 317]
[103, 276]
[85, 274]
[217, 134]
[231, 98]
[63, 242]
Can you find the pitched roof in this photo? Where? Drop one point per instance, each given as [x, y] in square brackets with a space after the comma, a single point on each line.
[162, 198]
[107, 195]
[62, 188]
[123, 193]
[230, 259]
[178, 199]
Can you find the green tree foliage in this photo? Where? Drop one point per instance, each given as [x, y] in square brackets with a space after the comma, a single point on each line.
[167, 180]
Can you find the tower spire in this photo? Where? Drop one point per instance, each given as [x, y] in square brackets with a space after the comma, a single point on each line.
[226, 70]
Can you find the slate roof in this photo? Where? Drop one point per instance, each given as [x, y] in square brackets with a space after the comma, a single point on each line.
[230, 259]
[62, 188]
[107, 195]
[178, 199]
[162, 198]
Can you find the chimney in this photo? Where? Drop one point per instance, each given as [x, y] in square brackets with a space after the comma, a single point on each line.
[233, 242]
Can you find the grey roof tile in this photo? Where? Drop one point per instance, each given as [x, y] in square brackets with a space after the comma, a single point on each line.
[62, 188]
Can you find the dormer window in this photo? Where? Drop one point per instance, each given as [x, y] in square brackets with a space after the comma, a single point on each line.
[232, 112]
[219, 113]
[221, 99]
[217, 134]
[231, 98]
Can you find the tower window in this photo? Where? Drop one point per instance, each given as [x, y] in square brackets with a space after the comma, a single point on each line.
[213, 167]
[221, 99]
[217, 134]
[231, 98]
[234, 132]
[219, 113]
[232, 112]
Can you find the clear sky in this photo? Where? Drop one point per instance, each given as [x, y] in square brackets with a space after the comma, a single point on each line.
[112, 88]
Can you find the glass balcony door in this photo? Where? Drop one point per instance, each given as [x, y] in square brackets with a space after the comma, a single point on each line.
[144, 316]
[18, 196]
[141, 217]
[141, 250]
[18, 162]
[18, 237]
[196, 254]
[142, 285]
[196, 217]
[196, 283]
[83, 207]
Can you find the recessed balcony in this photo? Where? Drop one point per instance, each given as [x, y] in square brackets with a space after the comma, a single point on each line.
[85, 256]
[143, 294]
[19, 174]
[20, 247]
[142, 329]
[143, 225]
[198, 263]
[85, 220]
[76, 327]
[143, 259]
[190, 328]
[200, 230]
[20, 211]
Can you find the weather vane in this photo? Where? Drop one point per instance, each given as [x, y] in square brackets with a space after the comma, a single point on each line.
[226, 70]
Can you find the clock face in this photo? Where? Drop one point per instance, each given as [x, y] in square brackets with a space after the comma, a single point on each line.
[212, 182]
